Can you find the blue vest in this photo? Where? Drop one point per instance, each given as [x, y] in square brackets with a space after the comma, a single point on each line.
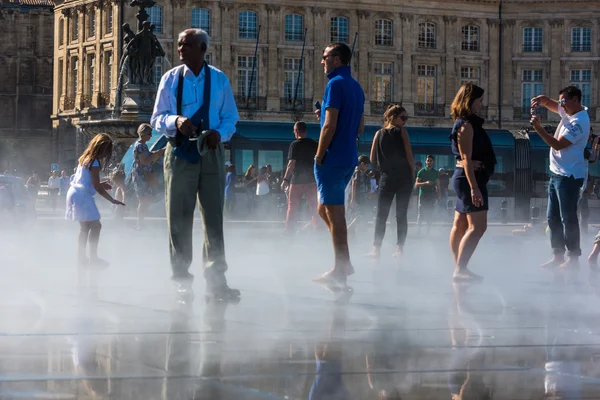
[185, 148]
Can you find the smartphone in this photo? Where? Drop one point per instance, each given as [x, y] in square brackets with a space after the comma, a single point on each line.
[317, 105]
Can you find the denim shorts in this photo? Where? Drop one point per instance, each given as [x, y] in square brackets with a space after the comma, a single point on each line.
[331, 183]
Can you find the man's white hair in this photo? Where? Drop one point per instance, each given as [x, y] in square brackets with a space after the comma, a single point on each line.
[199, 35]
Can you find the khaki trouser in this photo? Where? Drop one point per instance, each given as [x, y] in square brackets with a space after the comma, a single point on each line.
[184, 182]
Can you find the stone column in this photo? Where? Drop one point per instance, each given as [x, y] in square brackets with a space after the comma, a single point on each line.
[492, 68]
[408, 38]
[510, 80]
[319, 42]
[364, 59]
[451, 45]
[228, 62]
[555, 70]
[273, 35]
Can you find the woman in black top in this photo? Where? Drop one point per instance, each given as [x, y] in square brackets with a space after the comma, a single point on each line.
[475, 162]
[391, 152]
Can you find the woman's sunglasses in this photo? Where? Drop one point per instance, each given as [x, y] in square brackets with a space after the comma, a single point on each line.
[404, 118]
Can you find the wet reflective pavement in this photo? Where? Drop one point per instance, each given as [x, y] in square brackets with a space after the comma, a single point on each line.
[404, 331]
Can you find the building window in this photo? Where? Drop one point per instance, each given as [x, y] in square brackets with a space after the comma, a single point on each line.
[107, 72]
[75, 28]
[384, 32]
[201, 19]
[208, 59]
[294, 27]
[247, 23]
[427, 35]
[293, 87]
[74, 76]
[383, 81]
[157, 70]
[156, 18]
[581, 39]
[92, 23]
[59, 83]
[470, 38]
[339, 29]
[469, 74]
[91, 73]
[582, 78]
[274, 158]
[109, 19]
[61, 31]
[532, 40]
[426, 76]
[532, 86]
[245, 76]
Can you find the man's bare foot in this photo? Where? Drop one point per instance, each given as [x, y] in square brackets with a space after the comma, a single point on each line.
[554, 262]
[374, 253]
[464, 275]
[96, 262]
[331, 277]
[398, 253]
[572, 262]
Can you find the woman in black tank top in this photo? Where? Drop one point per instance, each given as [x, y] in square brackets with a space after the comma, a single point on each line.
[475, 162]
[391, 152]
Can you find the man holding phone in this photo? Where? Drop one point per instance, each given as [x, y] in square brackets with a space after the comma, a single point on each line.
[567, 171]
[342, 120]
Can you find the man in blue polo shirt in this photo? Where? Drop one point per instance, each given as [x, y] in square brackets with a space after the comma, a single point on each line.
[342, 121]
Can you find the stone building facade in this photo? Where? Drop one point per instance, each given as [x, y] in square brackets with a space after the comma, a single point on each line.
[26, 85]
[415, 53]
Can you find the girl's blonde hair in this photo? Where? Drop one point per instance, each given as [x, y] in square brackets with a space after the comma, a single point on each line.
[467, 94]
[100, 148]
[391, 113]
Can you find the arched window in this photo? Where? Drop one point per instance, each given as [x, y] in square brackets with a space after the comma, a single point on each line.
[384, 32]
[294, 27]
[201, 19]
[156, 18]
[427, 35]
[339, 29]
[470, 38]
[247, 25]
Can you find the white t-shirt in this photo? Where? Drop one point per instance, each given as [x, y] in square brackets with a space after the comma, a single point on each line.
[569, 161]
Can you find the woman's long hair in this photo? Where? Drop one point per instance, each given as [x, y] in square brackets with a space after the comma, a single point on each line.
[467, 94]
[100, 148]
[390, 114]
[249, 171]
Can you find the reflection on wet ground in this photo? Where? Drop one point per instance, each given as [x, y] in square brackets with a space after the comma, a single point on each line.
[403, 332]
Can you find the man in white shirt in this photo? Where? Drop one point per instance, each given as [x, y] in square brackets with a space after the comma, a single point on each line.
[567, 171]
[196, 110]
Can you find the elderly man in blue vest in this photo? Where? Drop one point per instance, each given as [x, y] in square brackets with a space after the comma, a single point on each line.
[196, 110]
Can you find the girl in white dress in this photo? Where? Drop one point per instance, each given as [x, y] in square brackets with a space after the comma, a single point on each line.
[81, 205]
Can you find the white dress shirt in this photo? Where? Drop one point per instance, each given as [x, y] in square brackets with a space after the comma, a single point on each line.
[223, 114]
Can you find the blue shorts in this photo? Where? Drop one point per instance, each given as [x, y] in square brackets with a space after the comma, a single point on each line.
[331, 183]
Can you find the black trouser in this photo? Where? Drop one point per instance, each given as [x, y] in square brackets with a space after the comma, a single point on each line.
[399, 185]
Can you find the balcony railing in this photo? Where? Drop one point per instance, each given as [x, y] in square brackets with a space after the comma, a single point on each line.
[524, 113]
[103, 99]
[379, 107]
[68, 103]
[86, 102]
[301, 105]
[252, 103]
[430, 110]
